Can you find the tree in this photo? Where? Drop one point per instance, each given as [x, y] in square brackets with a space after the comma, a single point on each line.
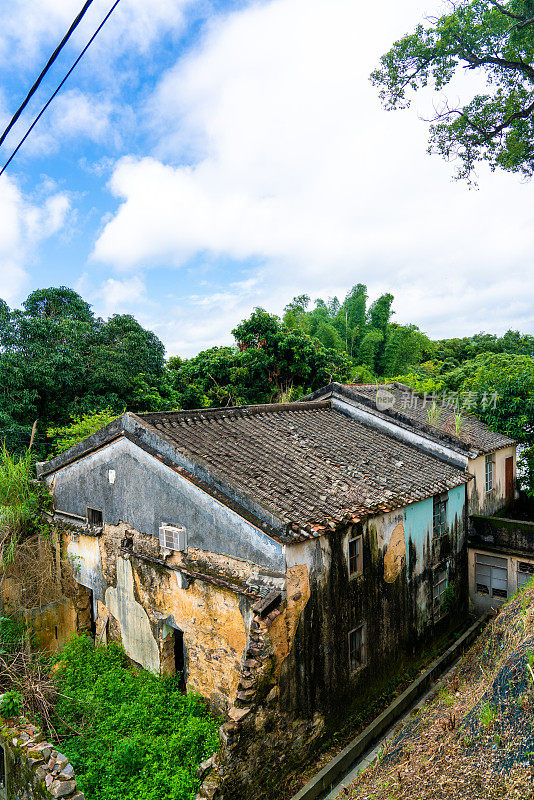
[494, 39]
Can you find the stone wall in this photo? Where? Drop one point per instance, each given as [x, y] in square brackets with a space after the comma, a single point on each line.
[33, 768]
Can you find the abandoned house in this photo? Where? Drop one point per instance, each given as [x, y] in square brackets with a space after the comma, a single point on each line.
[500, 551]
[180, 523]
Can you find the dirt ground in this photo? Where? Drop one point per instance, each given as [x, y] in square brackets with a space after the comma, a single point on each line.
[475, 739]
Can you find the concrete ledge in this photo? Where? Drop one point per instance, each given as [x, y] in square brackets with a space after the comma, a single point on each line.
[342, 763]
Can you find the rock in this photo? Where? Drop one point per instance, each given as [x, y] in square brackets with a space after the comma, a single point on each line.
[204, 768]
[245, 684]
[66, 773]
[62, 788]
[251, 663]
[48, 780]
[246, 696]
[296, 597]
[61, 761]
[273, 695]
[77, 796]
[237, 714]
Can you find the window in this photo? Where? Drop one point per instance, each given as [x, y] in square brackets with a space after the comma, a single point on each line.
[525, 573]
[357, 648]
[491, 575]
[440, 515]
[355, 556]
[172, 537]
[441, 581]
[95, 517]
[490, 469]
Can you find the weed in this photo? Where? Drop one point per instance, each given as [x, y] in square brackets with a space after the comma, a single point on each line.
[11, 704]
[446, 696]
[487, 715]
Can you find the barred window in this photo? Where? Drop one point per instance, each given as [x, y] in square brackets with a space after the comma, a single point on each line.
[491, 575]
[490, 470]
[440, 515]
[95, 517]
[355, 556]
[357, 648]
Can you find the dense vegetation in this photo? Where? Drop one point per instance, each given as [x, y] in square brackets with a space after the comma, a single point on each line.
[141, 738]
[71, 372]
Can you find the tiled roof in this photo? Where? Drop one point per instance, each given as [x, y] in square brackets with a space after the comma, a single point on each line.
[413, 407]
[306, 463]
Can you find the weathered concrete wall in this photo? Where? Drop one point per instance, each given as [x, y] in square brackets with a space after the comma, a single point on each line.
[393, 598]
[34, 770]
[142, 599]
[480, 501]
[145, 492]
[501, 534]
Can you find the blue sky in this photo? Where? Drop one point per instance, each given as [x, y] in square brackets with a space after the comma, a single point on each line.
[209, 157]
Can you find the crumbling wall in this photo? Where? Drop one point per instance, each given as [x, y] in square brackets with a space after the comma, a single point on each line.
[32, 768]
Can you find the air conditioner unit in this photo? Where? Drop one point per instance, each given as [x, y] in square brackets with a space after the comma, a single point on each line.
[172, 537]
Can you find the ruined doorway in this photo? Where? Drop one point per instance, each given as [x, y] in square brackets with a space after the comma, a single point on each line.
[92, 612]
[179, 657]
[509, 479]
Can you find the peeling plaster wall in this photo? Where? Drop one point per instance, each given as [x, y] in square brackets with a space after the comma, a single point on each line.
[146, 492]
[136, 633]
[146, 602]
[480, 501]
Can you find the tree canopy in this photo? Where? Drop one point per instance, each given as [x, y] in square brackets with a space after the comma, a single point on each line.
[496, 41]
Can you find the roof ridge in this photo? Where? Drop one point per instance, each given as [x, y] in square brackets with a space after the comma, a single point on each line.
[237, 411]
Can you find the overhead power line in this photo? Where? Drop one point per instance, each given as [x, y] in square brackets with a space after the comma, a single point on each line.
[69, 73]
[49, 63]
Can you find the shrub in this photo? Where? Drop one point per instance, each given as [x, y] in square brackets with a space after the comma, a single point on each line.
[141, 738]
[11, 704]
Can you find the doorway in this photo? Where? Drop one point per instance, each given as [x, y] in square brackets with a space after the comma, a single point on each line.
[509, 479]
[179, 657]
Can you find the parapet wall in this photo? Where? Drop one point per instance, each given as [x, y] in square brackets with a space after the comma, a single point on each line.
[31, 768]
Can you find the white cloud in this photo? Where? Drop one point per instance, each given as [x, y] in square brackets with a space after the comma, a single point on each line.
[298, 167]
[29, 28]
[24, 224]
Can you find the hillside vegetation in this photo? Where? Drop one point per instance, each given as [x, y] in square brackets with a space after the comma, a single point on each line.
[475, 739]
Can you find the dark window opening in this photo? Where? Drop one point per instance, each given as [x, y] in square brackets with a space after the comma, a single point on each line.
[355, 556]
[357, 648]
[440, 515]
[179, 657]
[56, 632]
[95, 517]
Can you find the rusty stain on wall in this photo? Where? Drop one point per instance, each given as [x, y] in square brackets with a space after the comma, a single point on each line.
[395, 557]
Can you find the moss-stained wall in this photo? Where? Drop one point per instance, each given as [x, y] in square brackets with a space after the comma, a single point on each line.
[392, 598]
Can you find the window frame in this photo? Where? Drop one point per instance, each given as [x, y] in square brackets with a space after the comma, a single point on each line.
[353, 573]
[440, 503]
[489, 474]
[493, 591]
[441, 585]
[354, 666]
[89, 511]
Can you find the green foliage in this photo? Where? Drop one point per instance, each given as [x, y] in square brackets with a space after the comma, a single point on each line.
[11, 704]
[78, 430]
[14, 635]
[268, 363]
[57, 361]
[142, 739]
[487, 715]
[496, 40]
[22, 500]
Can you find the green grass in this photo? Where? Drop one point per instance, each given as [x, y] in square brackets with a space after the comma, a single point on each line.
[141, 738]
[487, 715]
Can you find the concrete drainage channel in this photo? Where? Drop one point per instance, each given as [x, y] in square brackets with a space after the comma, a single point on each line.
[339, 771]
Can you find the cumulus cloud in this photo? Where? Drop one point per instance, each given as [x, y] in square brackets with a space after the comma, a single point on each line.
[24, 224]
[296, 166]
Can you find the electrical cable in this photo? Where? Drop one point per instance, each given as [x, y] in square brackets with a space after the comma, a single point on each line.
[71, 70]
[49, 63]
